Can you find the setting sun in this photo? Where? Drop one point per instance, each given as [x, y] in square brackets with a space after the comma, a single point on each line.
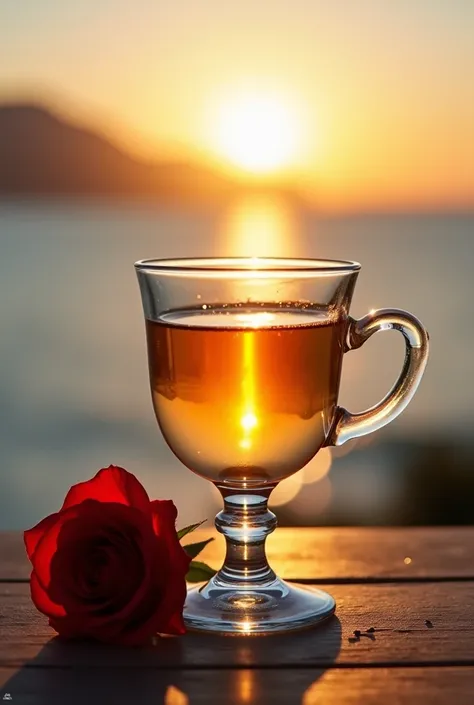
[257, 133]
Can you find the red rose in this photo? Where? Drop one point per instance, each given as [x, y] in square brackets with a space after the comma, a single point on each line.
[109, 564]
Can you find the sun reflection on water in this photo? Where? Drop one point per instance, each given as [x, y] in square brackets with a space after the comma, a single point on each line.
[261, 226]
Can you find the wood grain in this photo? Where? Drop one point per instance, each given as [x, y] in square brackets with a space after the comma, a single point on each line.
[404, 661]
[398, 613]
[396, 686]
[329, 554]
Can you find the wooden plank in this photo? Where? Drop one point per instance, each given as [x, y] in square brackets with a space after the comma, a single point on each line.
[329, 554]
[398, 686]
[398, 613]
[14, 563]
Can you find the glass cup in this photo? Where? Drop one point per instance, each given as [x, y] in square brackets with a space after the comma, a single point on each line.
[245, 360]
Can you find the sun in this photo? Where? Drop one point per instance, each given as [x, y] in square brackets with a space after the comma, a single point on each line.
[257, 133]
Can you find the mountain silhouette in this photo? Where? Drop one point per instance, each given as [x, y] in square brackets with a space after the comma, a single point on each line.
[42, 154]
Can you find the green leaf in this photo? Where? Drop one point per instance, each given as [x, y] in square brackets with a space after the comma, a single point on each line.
[198, 572]
[187, 529]
[194, 549]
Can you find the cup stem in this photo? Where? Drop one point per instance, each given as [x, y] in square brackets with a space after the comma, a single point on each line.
[245, 596]
[245, 523]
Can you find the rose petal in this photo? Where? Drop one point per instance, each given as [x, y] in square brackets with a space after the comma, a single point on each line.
[164, 512]
[47, 546]
[137, 594]
[137, 620]
[72, 528]
[169, 617]
[143, 604]
[121, 578]
[164, 515]
[112, 484]
[118, 628]
[33, 536]
[42, 600]
[70, 547]
[176, 623]
[69, 626]
[166, 619]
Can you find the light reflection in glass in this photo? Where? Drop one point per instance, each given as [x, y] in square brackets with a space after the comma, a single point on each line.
[246, 627]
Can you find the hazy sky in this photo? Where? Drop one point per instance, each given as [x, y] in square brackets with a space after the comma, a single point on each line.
[383, 90]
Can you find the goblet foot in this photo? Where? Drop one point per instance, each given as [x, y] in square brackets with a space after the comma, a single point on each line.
[277, 606]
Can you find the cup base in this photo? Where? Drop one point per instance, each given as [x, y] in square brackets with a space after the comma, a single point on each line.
[274, 607]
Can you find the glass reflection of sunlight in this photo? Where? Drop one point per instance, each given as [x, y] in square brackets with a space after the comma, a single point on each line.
[247, 627]
[255, 320]
[248, 419]
[261, 226]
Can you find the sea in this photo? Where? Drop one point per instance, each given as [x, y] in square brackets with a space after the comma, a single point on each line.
[74, 390]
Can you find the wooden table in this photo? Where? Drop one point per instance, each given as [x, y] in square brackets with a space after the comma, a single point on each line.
[414, 587]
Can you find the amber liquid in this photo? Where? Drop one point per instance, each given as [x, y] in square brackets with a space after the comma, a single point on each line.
[245, 395]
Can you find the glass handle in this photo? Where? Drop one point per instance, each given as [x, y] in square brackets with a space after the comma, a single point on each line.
[347, 425]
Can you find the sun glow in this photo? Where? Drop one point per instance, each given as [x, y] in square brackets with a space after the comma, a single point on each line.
[258, 133]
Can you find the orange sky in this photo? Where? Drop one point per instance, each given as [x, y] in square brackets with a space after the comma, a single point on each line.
[382, 92]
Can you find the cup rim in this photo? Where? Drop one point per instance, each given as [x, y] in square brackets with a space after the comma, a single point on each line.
[242, 264]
